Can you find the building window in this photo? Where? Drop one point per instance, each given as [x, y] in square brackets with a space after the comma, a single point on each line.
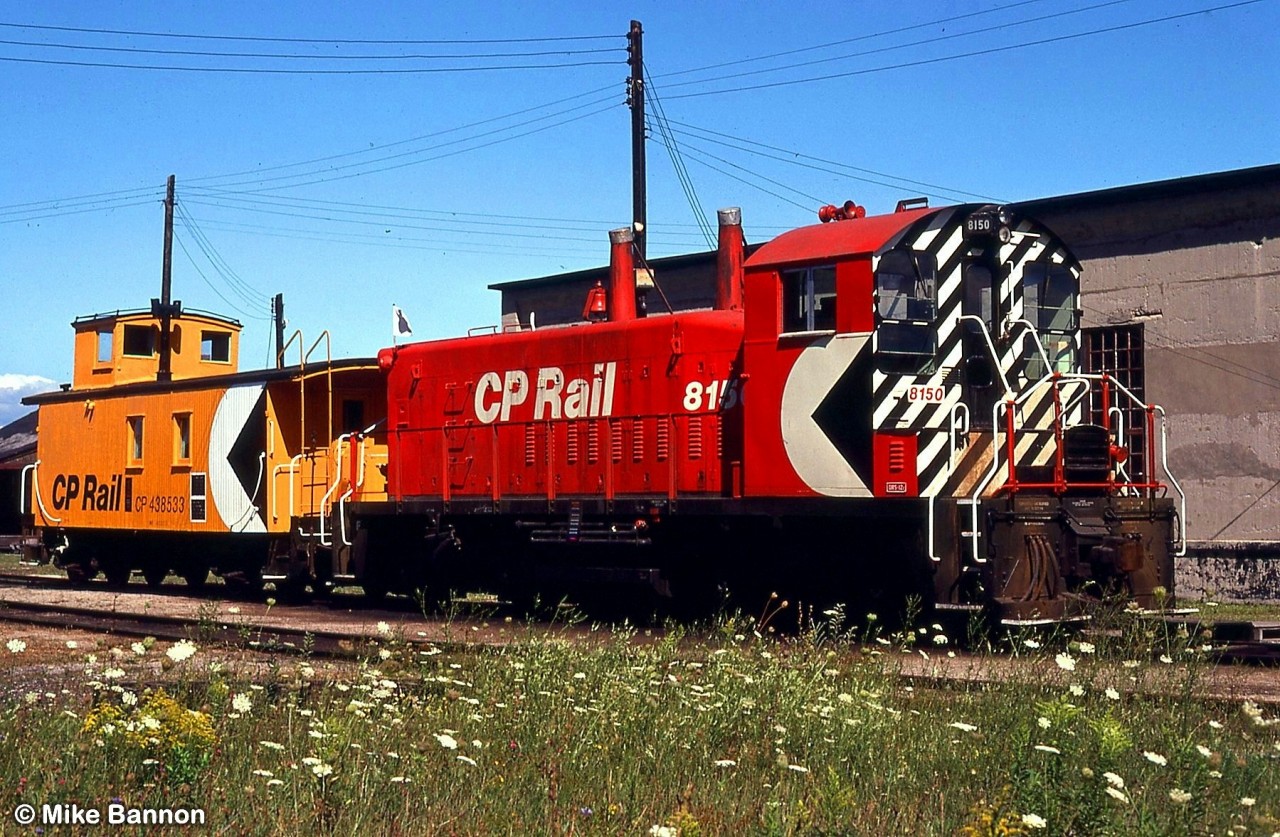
[182, 438]
[135, 440]
[809, 299]
[139, 341]
[104, 346]
[1119, 351]
[906, 302]
[215, 346]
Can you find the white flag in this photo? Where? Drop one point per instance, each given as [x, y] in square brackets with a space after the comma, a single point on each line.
[399, 323]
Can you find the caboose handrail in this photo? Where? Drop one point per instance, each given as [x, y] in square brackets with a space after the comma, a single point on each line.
[34, 468]
[337, 480]
[297, 335]
[292, 468]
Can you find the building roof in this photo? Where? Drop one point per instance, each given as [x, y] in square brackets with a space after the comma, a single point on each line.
[18, 438]
[1157, 190]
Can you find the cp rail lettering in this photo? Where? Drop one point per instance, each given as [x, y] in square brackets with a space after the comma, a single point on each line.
[110, 494]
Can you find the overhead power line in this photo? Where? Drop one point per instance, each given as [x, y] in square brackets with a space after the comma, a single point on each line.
[975, 53]
[258, 39]
[306, 56]
[303, 72]
[897, 47]
[796, 158]
[844, 41]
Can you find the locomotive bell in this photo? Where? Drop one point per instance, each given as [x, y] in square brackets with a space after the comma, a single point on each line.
[597, 305]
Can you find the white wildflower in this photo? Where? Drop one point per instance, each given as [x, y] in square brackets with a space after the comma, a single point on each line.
[962, 726]
[241, 703]
[1065, 662]
[1045, 748]
[322, 769]
[1031, 643]
[383, 628]
[71, 643]
[1113, 780]
[266, 773]
[139, 649]
[1076, 690]
[1087, 648]
[1179, 796]
[181, 650]
[1155, 758]
[1115, 793]
[1111, 694]
[271, 745]
[467, 760]
[1203, 750]
[799, 768]
[662, 831]
[16, 646]
[1043, 722]
[725, 763]
[447, 741]
[400, 780]
[1034, 821]
[1248, 801]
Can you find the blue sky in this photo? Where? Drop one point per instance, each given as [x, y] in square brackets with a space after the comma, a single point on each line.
[347, 191]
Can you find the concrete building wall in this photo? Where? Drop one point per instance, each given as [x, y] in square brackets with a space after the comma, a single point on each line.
[1197, 262]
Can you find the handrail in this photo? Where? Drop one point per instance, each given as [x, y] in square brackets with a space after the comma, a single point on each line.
[1035, 334]
[342, 517]
[34, 467]
[337, 480]
[991, 347]
[292, 467]
[328, 362]
[1182, 496]
[297, 335]
[257, 486]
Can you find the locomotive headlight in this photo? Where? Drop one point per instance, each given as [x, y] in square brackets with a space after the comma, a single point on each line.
[1004, 234]
[1005, 216]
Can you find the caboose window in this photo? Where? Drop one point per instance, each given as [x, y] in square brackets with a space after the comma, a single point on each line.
[135, 440]
[906, 286]
[215, 346]
[1049, 303]
[139, 341]
[104, 347]
[809, 299]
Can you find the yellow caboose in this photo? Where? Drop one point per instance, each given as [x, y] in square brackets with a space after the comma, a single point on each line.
[242, 473]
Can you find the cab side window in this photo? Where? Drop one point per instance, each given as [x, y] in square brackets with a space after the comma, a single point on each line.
[906, 303]
[809, 299]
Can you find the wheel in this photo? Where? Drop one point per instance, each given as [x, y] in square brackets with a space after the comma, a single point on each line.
[155, 574]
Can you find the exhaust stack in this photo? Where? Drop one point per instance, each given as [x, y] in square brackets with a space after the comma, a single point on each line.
[622, 275]
[729, 258]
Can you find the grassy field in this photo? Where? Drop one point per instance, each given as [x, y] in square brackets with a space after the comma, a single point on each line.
[739, 732]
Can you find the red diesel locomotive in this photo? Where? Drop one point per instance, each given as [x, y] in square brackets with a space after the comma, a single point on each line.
[874, 405]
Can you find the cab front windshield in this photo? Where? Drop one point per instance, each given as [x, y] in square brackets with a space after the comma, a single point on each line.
[1050, 303]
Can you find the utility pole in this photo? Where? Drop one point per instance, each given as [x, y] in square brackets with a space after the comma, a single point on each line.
[277, 310]
[635, 98]
[163, 307]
